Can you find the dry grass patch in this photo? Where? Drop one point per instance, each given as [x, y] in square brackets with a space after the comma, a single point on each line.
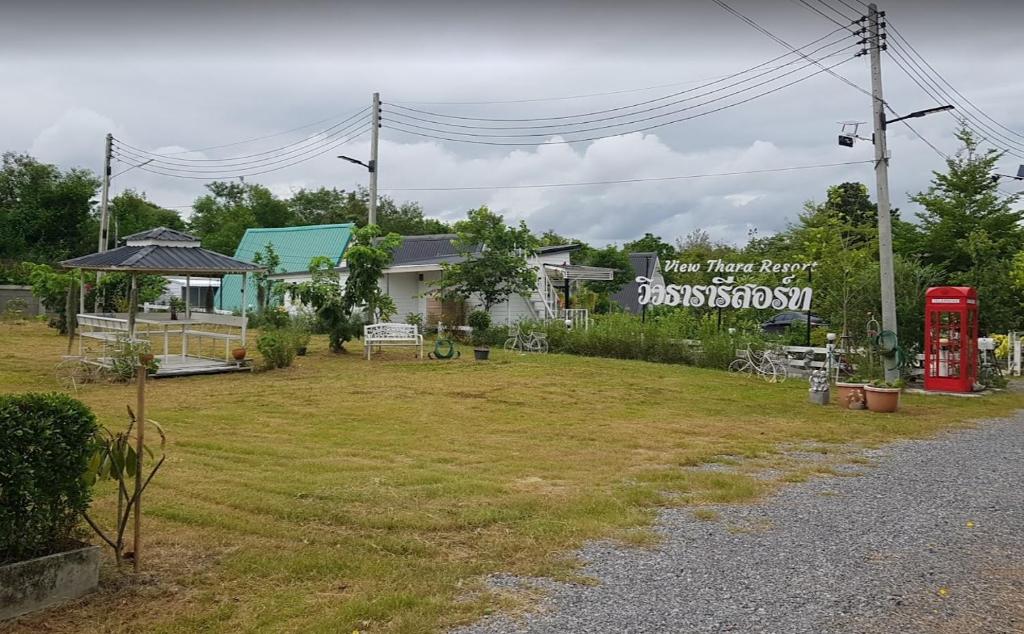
[339, 494]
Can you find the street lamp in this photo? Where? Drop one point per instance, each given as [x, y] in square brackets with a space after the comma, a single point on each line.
[371, 167]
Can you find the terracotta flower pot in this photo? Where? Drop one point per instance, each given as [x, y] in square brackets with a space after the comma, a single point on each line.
[850, 395]
[238, 354]
[882, 399]
[146, 358]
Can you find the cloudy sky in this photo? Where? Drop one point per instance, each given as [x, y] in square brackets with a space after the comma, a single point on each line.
[169, 77]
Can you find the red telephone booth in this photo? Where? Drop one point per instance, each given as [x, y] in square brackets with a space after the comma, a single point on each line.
[951, 339]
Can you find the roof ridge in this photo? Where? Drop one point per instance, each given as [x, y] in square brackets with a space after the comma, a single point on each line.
[339, 225]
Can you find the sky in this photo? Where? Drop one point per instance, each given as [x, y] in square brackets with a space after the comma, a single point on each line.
[167, 78]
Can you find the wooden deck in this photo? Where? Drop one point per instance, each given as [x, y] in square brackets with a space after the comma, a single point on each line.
[177, 365]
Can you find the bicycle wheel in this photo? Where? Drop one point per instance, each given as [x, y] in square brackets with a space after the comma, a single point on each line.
[768, 370]
[781, 372]
[510, 344]
[738, 366]
[539, 344]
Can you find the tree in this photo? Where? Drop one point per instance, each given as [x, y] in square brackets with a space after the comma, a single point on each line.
[268, 291]
[221, 217]
[366, 259]
[971, 231]
[610, 257]
[494, 265]
[45, 214]
[325, 294]
[330, 206]
[132, 212]
[651, 243]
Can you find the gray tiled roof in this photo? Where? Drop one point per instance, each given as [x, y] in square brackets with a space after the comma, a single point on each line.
[161, 260]
[162, 233]
[628, 295]
[430, 249]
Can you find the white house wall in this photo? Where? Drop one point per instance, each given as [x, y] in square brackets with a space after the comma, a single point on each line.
[404, 289]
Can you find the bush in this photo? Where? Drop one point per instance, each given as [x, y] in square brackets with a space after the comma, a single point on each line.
[45, 444]
[278, 347]
[479, 320]
[415, 319]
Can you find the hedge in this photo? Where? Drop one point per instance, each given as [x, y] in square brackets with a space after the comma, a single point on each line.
[46, 441]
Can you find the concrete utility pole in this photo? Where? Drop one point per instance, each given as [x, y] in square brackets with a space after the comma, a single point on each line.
[374, 138]
[105, 196]
[885, 264]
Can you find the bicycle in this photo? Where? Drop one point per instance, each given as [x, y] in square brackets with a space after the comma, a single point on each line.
[532, 342]
[72, 372]
[764, 364]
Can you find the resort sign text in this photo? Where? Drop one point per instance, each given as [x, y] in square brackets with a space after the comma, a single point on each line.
[724, 292]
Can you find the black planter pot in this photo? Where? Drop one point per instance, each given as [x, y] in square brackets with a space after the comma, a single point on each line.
[481, 354]
[301, 351]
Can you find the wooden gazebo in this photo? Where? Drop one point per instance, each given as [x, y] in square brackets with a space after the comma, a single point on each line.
[164, 251]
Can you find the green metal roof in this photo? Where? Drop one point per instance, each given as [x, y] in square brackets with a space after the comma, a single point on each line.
[296, 246]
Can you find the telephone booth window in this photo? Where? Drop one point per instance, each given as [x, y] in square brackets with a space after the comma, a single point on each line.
[951, 318]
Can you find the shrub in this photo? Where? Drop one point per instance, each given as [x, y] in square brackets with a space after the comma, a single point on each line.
[479, 320]
[45, 444]
[415, 319]
[278, 347]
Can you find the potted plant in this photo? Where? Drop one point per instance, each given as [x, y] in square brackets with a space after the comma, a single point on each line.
[175, 304]
[238, 354]
[480, 322]
[850, 393]
[883, 396]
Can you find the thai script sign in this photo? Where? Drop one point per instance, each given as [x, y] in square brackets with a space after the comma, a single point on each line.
[724, 292]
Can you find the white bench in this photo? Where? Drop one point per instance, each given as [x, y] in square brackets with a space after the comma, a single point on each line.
[391, 335]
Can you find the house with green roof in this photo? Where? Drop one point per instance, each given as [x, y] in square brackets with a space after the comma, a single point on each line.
[296, 246]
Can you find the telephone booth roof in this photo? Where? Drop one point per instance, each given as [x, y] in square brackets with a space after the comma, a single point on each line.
[952, 291]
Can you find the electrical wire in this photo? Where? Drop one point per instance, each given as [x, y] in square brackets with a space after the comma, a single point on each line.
[901, 42]
[186, 161]
[619, 108]
[630, 114]
[629, 180]
[256, 173]
[244, 166]
[403, 118]
[641, 129]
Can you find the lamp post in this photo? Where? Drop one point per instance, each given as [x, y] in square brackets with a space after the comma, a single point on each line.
[371, 167]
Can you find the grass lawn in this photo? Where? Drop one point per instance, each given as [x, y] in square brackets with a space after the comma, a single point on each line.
[340, 494]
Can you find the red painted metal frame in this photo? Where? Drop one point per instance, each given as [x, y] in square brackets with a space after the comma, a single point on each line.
[951, 339]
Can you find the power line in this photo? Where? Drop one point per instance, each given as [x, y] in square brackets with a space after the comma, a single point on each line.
[256, 173]
[252, 140]
[626, 107]
[631, 180]
[163, 158]
[641, 129]
[628, 114]
[403, 119]
[243, 166]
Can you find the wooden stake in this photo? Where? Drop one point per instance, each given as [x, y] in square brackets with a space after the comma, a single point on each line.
[140, 430]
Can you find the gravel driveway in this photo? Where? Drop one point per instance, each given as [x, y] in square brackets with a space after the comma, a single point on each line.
[930, 538]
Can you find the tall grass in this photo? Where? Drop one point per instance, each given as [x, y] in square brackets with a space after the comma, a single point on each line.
[677, 337]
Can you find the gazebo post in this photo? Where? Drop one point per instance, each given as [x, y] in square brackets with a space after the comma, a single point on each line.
[133, 299]
[188, 297]
[245, 320]
[81, 291]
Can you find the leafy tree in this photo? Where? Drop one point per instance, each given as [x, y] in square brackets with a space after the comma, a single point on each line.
[45, 214]
[114, 291]
[610, 257]
[330, 206]
[131, 213]
[495, 265]
[651, 243]
[52, 287]
[268, 291]
[221, 217]
[972, 232]
[366, 260]
[325, 293]
[551, 239]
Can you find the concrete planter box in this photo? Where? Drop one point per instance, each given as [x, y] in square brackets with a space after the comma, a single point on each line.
[27, 586]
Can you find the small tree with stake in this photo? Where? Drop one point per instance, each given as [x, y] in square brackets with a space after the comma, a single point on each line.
[116, 458]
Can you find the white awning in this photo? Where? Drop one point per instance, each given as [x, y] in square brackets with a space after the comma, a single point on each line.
[576, 272]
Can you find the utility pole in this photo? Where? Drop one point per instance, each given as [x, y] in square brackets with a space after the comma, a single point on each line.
[374, 139]
[885, 265]
[105, 196]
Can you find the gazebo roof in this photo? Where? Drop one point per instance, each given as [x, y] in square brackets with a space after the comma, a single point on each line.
[161, 234]
[162, 251]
